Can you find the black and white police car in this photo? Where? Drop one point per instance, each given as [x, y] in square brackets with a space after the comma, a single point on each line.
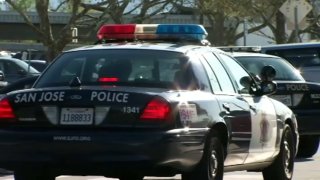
[302, 97]
[150, 100]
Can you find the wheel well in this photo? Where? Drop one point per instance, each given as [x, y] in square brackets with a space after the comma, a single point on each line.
[220, 131]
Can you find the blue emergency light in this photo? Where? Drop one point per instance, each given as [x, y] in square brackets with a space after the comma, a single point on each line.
[189, 32]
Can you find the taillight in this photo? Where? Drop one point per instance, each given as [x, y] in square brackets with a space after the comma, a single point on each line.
[156, 110]
[6, 111]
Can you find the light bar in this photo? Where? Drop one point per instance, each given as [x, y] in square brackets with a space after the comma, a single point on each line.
[189, 32]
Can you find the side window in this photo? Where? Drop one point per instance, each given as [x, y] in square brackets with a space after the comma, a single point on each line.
[241, 77]
[212, 77]
[220, 72]
[199, 69]
[12, 68]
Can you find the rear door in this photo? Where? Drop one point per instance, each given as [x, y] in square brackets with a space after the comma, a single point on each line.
[234, 110]
[263, 115]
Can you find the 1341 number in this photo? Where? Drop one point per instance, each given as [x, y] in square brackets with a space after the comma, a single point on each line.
[129, 110]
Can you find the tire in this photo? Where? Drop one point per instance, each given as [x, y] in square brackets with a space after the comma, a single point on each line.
[211, 165]
[282, 167]
[308, 146]
[31, 175]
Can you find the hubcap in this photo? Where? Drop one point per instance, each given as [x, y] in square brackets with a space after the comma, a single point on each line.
[287, 158]
[213, 163]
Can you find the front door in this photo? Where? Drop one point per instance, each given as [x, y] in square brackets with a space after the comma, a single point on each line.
[264, 129]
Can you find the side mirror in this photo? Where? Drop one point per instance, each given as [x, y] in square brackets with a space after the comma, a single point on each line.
[268, 87]
[2, 76]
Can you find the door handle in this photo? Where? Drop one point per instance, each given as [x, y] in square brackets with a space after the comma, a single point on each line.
[226, 106]
[253, 107]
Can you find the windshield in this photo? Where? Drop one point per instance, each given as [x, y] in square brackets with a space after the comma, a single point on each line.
[284, 70]
[27, 67]
[147, 68]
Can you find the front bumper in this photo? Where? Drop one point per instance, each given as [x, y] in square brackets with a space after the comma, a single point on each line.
[308, 121]
[100, 151]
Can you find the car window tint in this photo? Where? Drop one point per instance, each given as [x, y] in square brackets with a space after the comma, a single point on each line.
[148, 68]
[219, 70]
[303, 57]
[240, 75]
[284, 71]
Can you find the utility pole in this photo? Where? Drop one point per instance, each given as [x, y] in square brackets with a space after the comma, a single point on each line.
[245, 31]
[296, 24]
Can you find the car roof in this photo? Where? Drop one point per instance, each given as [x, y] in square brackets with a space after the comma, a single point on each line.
[291, 46]
[36, 61]
[9, 59]
[251, 54]
[176, 47]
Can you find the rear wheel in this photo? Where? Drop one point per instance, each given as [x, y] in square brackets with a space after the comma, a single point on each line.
[211, 165]
[282, 167]
[308, 146]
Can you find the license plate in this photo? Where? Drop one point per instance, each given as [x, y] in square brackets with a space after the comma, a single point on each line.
[285, 99]
[76, 116]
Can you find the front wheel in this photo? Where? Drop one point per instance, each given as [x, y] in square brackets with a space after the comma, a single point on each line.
[308, 146]
[282, 167]
[212, 163]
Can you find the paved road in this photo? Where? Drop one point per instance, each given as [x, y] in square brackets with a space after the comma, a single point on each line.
[305, 169]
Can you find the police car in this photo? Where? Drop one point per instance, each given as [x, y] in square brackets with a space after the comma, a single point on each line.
[292, 90]
[150, 100]
[303, 56]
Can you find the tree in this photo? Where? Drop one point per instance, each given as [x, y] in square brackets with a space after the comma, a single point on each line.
[44, 30]
[83, 13]
[276, 21]
[224, 17]
[139, 12]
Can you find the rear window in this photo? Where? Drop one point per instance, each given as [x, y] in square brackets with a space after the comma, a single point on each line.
[284, 71]
[302, 57]
[147, 68]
